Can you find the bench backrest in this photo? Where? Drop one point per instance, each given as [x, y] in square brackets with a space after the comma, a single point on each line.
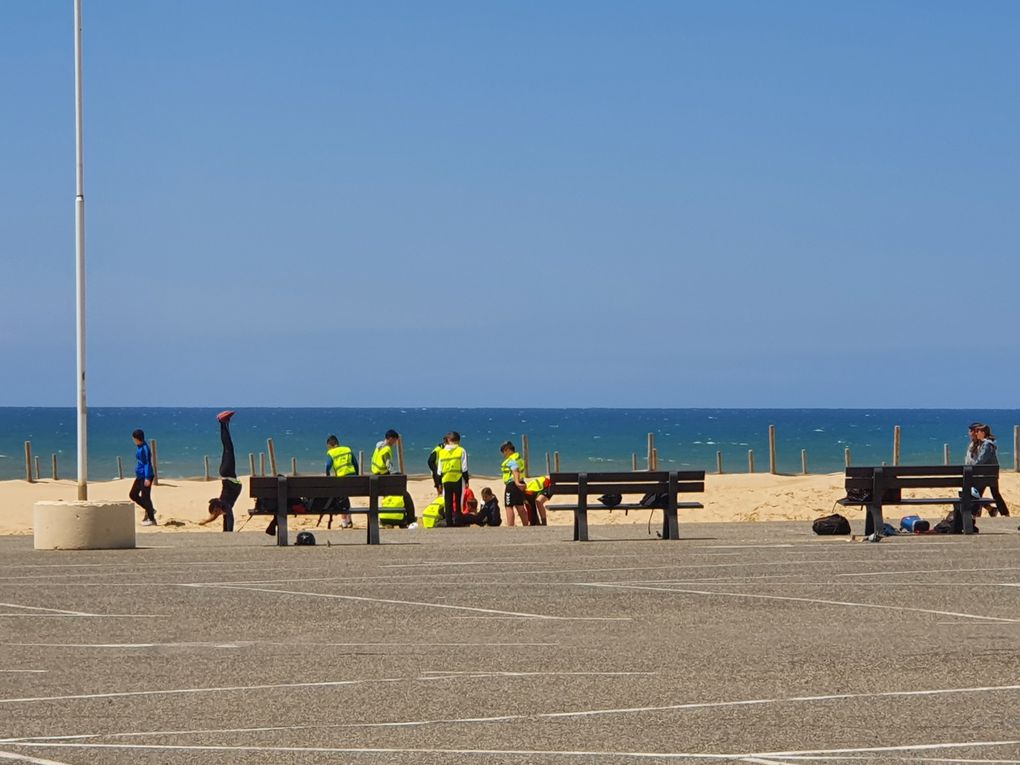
[636, 482]
[920, 477]
[329, 486]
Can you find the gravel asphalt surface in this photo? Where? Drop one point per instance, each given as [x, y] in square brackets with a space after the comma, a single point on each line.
[752, 643]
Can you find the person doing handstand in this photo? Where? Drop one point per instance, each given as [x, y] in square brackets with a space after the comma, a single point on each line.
[230, 486]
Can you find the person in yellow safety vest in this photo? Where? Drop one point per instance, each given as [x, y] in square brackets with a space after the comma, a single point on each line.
[537, 493]
[434, 514]
[437, 479]
[515, 472]
[397, 510]
[340, 462]
[382, 457]
[453, 472]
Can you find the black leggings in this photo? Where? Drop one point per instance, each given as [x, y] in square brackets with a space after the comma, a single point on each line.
[141, 495]
[230, 489]
[1000, 503]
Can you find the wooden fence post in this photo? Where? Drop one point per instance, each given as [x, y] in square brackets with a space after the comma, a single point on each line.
[28, 462]
[251, 464]
[361, 463]
[400, 455]
[718, 463]
[1016, 448]
[38, 472]
[271, 451]
[651, 448]
[803, 461]
[53, 460]
[655, 459]
[945, 454]
[750, 460]
[896, 445]
[205, 464]
[633, 461]
[155, 463]
[556, 461]
[772, 449]
[527, 453]
[120, 468]
[293, 465]
[548, 464]
[846, 457]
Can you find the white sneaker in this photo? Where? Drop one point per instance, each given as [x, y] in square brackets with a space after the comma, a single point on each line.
[412, 525]
[147, 522]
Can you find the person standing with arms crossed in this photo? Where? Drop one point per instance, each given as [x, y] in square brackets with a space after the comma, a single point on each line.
[453, 472]
[515, 473]
[141, 489]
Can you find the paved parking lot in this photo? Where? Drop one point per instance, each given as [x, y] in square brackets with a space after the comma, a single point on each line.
[740, 643]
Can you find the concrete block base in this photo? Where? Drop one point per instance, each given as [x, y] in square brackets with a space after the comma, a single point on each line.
[83, 525]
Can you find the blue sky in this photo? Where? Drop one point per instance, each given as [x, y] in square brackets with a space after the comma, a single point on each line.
[515, 204]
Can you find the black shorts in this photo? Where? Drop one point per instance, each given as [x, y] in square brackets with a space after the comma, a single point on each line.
[513, 497]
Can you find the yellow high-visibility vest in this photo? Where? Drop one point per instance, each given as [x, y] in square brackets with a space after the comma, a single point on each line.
[343, 460]
[451, 464]
[392, 509]
[381, 459]
[508, 474]
[431, 514]
[536, 485]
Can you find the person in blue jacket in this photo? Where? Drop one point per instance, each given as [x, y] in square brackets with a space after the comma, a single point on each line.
[141, 489]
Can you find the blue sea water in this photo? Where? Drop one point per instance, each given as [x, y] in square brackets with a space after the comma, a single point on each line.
[585, 438]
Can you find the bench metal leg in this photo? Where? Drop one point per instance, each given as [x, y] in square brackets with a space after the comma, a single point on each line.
[670, 525]
[581, 511]
[373, 510]
[874, 523]
[281, 511]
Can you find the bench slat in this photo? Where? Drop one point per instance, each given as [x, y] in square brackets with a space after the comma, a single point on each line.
[902, 471]
[917, 501]
[630, 477]
[626, 506]
[327, 486]
[626, 488]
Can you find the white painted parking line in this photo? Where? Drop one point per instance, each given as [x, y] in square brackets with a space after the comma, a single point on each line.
[582, 713]
[423, 604]
[929, 571]
[46, 610]
[425, 677]
[485, 753]
[288, 643]
[11, 756]
[25, 671]
[819, 601]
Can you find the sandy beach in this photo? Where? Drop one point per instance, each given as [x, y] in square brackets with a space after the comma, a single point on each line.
[181, 504]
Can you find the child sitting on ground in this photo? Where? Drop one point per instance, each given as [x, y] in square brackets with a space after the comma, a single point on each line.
[471, 516]
[490, 510]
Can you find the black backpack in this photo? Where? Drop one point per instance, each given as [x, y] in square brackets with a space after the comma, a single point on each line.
[831, 525]
[654, 500]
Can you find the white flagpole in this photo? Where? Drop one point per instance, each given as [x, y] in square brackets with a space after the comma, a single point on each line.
[79, 216]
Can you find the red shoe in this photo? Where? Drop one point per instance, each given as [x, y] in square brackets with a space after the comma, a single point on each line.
[225, 416]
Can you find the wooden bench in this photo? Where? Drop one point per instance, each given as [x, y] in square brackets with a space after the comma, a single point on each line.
[584, 485]
[284, 491]
[884, 485]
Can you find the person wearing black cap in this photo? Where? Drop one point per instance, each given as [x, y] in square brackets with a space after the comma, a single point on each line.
[230, 486]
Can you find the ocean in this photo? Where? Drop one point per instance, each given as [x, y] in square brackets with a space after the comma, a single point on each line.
[584, 438]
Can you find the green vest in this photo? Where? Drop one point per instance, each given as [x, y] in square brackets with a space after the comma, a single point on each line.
[379, 460]
[536, 485]
[391, 509]
[508, 474]
[433, 512]
[450, 462]
[343, 460]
